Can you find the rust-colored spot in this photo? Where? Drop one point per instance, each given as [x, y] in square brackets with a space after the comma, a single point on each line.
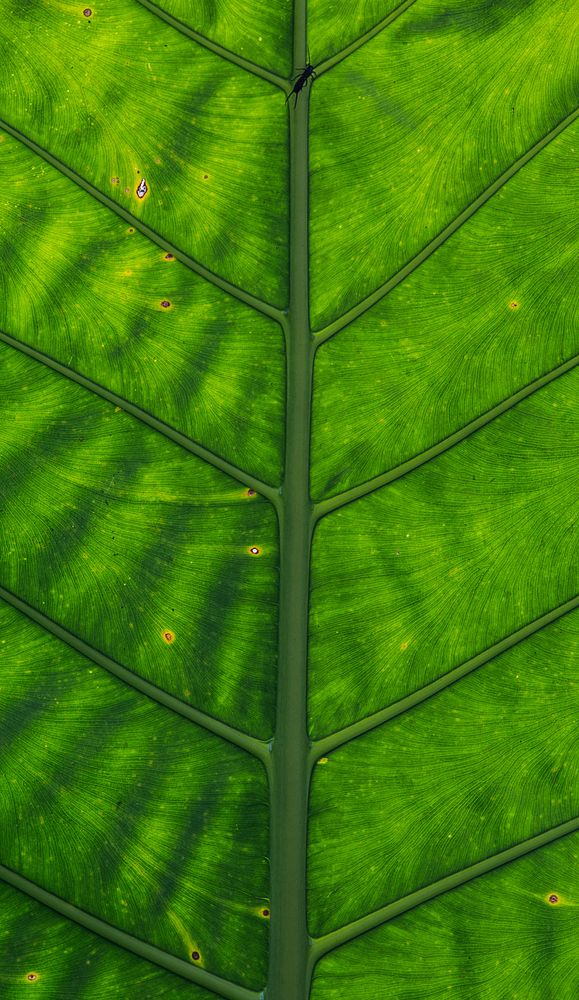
[130, 230]
[513, 305]
[168, 636]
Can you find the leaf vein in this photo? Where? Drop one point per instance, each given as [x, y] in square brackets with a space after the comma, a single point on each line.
[321, 946]
[219, 50]
[379, 293]
[257, 748]
[328, 743]
[357, 492]
[147, 418]
[332, 61]
[122, 939]
[226, 286]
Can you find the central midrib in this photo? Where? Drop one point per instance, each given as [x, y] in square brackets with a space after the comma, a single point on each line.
[289, 964]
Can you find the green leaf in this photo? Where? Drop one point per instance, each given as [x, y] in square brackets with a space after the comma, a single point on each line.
[288, 437]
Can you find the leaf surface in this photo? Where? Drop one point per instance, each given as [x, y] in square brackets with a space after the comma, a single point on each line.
[288, 493]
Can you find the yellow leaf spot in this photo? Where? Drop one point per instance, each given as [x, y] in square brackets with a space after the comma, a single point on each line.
[403, 646]
[323, 760]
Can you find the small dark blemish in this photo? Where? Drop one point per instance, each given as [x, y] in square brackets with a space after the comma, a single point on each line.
[114, 180]
[251, 493]
[205, 177]
[265, 913]
[142, 188]
[131, 230]
[165, 303]
[195, 956]
[169, 256]
[254, 550]
[87, 12]
[513, 305]
[553, 899]
[32, 976]
[168, 636]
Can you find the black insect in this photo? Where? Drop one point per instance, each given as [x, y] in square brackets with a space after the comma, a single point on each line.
[308, 73]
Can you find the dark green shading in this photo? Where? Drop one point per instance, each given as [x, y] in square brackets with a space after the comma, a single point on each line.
[127, 96]
[143, 538]
[485, 764]
[494, 308]
[130, 812]
[76, 284]
[334, 26]
[497, 938]
[257, 30]
[425, 573]
[410, 129]
[70, 963]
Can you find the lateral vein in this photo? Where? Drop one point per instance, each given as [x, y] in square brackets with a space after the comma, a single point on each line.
[332, 61]
[361, 307]
[219, 50]
[270, 492]
[324, 507]
[122, 939]
[226, 286]
[322, 945]
[257, 748]
[328, 743]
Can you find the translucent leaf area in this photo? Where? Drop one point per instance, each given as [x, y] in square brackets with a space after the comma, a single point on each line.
[509, 934]
[82, 286]
[42, 952]
[148, 553]
[120, 96]
[433, 569]
[503, 740]
[260, 32]
[495, 308]
[288, 500]
[392, 163]
[148, 822]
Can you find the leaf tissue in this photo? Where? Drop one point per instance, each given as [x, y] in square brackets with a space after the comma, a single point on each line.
[288, 492]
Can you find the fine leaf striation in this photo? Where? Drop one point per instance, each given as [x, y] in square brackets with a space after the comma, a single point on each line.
[220, 686]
